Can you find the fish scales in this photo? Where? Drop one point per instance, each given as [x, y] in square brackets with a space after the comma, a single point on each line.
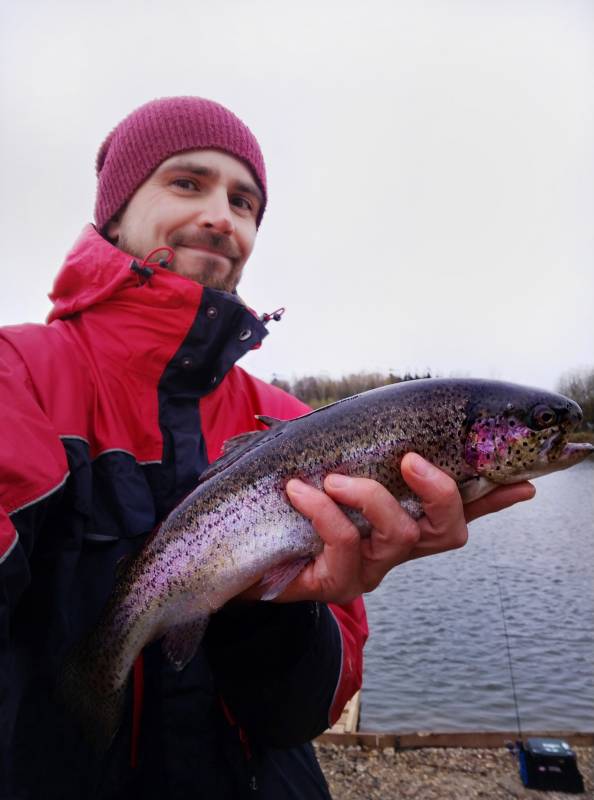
[238, 527]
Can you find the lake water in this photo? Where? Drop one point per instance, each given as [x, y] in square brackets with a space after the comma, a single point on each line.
[437, 655]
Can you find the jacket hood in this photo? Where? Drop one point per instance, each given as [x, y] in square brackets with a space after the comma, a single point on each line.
[94, 270]
[147, 315]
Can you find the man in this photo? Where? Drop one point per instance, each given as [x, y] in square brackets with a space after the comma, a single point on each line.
[110, 412]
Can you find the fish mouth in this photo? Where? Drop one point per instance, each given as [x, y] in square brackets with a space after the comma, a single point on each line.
[557, 455]
[574, 452]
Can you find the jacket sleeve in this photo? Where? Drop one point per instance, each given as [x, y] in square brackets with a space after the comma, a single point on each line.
[285, 671]
[33, 469]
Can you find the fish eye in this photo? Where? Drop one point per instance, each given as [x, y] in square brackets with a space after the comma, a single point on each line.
[543, 417]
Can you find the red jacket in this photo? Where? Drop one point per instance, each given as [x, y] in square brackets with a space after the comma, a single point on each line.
[109, 414]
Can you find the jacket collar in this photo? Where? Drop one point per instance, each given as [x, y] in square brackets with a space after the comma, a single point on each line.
[145, 323]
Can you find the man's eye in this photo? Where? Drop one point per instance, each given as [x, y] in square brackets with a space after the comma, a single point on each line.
[185, 183]
[241, 202]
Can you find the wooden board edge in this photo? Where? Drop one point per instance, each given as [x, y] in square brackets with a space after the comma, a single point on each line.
[479, 740]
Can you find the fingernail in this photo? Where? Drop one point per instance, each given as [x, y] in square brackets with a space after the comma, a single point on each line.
[295, 486]
[419, 466]
[338, 481]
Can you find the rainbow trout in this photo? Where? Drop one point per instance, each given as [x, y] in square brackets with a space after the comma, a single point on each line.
[238, 528]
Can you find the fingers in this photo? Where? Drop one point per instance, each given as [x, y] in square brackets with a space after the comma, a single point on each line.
[502, 497]
[340, 536]
[348, 565]
[377, 505]
[394, 533]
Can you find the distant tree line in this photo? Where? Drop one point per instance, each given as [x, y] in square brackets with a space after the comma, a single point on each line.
[579, 385]
[319, 390]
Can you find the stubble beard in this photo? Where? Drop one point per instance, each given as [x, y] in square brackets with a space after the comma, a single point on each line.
[207, 274]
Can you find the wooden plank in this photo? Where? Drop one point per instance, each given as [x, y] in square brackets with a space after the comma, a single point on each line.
[352, 717]
[344, 732]
[478, 739]
[348, 722]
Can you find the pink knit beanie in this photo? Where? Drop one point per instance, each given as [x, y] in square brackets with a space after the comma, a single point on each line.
[160, 129]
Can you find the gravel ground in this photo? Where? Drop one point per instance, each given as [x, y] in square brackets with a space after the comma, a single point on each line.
[355, 773]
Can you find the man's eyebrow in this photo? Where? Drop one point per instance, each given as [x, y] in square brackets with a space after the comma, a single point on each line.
[191, 166]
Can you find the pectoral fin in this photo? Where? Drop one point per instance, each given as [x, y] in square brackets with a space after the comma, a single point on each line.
[474, 488]
[276, 580]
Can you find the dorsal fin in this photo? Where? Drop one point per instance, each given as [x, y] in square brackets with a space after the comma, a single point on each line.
[237, 446]
[270, 422]
[240, 440]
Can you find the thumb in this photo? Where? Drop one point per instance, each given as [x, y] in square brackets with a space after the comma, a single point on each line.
[437, 491]
[423, 477]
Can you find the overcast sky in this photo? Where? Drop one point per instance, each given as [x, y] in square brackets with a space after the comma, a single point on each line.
[430, 163]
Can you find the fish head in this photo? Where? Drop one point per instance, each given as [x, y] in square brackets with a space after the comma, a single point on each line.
[515, 434]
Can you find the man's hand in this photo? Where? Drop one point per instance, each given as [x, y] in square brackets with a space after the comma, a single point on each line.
[349, 565]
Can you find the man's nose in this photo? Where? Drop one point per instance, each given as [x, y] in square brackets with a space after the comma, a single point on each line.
[216, 214]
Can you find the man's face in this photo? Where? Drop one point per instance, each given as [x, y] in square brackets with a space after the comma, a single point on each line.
[204, 204]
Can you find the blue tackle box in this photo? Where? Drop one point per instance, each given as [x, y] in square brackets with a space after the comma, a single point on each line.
[549, 764]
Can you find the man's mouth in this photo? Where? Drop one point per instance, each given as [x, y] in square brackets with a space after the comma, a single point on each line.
[212, 245]
[207, 252]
